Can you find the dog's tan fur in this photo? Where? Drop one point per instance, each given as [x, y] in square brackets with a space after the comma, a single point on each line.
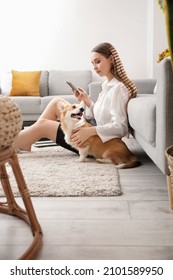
[113, 151]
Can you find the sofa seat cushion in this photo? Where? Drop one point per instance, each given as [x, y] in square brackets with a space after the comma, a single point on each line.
[142, 116]
[28, 104]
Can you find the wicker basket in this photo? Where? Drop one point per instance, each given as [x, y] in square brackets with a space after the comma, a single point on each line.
[169, 156]
[10, 121]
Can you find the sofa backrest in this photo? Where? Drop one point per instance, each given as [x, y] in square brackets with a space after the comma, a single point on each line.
[57, 81]
[145, 86]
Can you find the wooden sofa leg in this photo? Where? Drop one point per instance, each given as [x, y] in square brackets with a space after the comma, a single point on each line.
[170, 190]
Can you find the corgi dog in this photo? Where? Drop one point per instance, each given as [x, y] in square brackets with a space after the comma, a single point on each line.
[113, 151]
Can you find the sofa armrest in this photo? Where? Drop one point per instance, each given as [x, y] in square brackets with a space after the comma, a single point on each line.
[164, 106]
[160, 121]
[94, 89]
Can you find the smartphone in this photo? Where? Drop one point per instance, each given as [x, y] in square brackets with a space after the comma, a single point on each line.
[72, 86]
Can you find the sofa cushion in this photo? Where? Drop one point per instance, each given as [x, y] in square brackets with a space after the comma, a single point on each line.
[58, 85]
[28, 104]
[142, 116]
[25, 83]
[6, 83]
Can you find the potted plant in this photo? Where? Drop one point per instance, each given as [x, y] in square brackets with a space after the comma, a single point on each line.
[167, 8]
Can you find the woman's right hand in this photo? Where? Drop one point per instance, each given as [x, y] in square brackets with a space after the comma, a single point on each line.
[82, 95]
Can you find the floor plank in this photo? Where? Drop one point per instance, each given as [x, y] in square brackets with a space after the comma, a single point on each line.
[136, 225]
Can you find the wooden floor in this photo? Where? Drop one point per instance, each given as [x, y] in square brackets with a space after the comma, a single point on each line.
[136, 225]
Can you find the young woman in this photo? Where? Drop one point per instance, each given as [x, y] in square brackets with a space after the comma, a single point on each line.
[109, 111]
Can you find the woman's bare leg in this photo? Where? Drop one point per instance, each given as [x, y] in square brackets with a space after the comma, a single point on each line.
[42, 128]
[46, 126]
[51, 112]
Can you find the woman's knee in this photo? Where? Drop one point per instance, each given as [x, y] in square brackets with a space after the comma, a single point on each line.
[61, 102]
[58, 103]
[56, 99]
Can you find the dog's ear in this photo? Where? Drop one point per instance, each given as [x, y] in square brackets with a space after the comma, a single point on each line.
[61, 103]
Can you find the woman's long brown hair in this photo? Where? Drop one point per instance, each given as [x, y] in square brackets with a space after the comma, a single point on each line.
[117, 69]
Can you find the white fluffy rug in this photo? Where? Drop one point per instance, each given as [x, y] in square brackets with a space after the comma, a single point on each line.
[53, 171]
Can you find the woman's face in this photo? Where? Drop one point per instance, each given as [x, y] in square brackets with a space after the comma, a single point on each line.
[102, 65]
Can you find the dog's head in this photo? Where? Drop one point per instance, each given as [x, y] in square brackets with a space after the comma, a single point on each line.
[72, 113]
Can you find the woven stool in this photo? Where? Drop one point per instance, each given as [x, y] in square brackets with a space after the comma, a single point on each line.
[10, 125]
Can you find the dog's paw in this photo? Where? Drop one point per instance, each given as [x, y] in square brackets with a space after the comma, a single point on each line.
[80, 160]
[104, 160]
[100, 160]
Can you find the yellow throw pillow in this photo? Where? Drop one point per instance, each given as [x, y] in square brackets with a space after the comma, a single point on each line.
[25, 83]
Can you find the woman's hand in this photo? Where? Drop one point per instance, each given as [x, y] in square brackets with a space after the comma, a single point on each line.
[82, 134]
[82, 95]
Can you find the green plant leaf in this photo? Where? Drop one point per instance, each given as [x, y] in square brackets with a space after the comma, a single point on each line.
[161, 4]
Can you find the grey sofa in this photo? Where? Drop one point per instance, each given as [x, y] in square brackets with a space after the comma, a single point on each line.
[151, 120]
[52, 83]
[153, 112]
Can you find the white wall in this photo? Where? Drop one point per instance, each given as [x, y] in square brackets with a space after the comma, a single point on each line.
[59, 34]
[156, 37]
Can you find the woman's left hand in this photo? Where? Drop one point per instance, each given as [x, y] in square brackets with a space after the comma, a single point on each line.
[79, 136]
